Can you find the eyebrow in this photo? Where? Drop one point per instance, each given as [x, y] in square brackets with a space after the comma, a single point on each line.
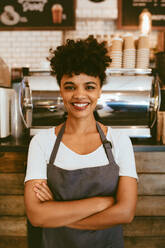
[70, 82]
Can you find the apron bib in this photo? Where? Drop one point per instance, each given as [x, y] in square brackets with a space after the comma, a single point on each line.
[78, 184]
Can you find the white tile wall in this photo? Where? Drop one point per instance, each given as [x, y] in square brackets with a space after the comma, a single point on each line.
[30, 48]
[27, 48]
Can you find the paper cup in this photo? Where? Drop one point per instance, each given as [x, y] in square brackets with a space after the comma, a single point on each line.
[128, 42]
[143, 42]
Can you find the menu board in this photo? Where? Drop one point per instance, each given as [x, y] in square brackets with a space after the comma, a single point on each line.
[37, 15]
[129, 11]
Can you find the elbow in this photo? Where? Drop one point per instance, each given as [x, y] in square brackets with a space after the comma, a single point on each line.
[128, 217]
[35, 219]
[35, 223]
[39, 220]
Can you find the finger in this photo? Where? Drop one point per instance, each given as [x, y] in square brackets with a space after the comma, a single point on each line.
[40, 197]
[44, 188]
[44, 191]
[41, 193]
[47, 188]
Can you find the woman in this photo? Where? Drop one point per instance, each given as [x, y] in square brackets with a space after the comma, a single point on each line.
[81, 178]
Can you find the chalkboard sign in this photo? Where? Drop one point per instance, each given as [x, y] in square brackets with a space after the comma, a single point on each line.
[37, 14]
[129, 11]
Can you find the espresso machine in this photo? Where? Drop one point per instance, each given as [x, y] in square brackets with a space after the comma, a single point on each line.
[129, 101]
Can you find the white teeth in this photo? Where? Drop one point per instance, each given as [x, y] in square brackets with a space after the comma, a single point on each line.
[80, 104]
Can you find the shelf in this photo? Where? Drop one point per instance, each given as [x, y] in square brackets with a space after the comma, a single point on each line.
[128, 71]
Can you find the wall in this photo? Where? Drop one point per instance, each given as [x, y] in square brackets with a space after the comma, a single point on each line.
[30, 48]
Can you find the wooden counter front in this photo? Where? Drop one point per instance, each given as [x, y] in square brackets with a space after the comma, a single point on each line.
[147, 229]
[13, 228]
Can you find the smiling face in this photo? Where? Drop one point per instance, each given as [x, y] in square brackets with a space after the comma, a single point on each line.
[80, 94]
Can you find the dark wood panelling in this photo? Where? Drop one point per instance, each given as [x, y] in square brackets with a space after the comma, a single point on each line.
[11, 184]
[13, 226]
[145, 227]
[151, 184]
[150, 162]
[140, 227]
[11, 162]
[146, 230]
[13, 242]
[146, 206]
[144, 242]
[150, 206]
[12, 205]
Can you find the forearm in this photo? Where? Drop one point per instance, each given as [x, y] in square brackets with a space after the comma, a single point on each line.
[114, 215]
[121, 212]
[55, 214]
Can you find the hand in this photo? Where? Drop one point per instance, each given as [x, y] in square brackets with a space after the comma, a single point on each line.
[43, 192]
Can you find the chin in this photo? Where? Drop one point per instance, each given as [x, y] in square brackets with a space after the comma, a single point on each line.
[80, 115]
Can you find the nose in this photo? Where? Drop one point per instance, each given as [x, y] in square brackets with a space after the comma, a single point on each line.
[79, 93]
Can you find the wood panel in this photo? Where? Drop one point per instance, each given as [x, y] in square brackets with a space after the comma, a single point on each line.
[12, 205]
[145, 226]
[150, 162]
[130, 242]
[13, 226]
[13, 242]
[140, 227]
[11, 184]
[144, 242]
[146, 162]
[11, 162]
[151, 184]
[150, 206]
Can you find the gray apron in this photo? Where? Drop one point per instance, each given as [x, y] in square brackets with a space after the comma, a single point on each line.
[67, 185]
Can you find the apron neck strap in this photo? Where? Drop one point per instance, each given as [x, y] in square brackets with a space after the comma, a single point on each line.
[106, 143]
[57, 143]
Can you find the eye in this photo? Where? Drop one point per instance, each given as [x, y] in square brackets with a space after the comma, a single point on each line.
[69, 87]
[90, 87]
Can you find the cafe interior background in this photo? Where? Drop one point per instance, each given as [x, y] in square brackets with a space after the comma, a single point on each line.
[30, 48]
[142, 102]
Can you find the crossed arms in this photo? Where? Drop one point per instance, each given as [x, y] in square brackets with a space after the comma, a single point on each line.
[92, 213]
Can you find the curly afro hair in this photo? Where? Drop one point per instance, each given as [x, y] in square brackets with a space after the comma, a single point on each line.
[81, 56]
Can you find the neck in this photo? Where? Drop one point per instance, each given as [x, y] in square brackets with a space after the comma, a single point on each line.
[80, 126]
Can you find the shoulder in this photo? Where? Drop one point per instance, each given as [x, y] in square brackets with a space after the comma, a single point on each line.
[116, 134]
[43, 138]
[123, 152]
[119, 139]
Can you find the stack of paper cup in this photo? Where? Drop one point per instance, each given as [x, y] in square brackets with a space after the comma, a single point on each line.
[129, 52]
[143, 52]
[116, 53]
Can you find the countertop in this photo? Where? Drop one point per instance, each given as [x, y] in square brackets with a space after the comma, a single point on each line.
[11, 144]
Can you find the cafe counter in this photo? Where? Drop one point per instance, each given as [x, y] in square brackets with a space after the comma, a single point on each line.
[147, 228]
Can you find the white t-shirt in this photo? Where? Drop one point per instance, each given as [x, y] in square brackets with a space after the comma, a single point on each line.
[42, 144]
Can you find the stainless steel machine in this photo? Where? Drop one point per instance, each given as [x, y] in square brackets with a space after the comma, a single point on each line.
[128, 102]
